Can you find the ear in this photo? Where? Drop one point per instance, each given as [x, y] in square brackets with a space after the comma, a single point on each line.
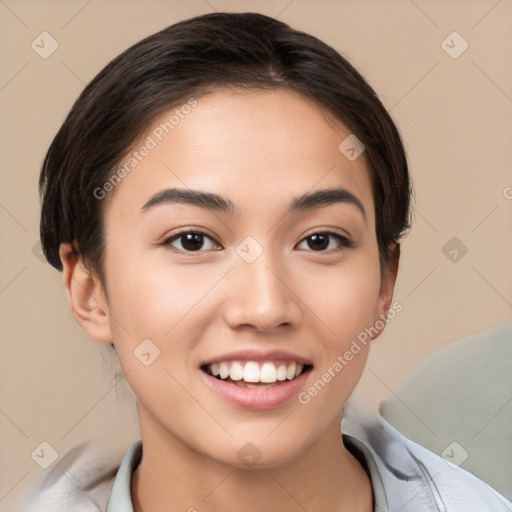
[86, 296]
[387, 285]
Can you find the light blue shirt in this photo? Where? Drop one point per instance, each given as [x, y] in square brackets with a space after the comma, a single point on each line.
[405, 477]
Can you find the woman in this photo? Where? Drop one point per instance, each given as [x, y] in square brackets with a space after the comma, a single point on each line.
[226, 201]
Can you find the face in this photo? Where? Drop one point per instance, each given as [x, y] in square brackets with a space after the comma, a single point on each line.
[253, 284]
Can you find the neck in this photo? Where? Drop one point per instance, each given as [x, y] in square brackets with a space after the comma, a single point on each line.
[171, 477]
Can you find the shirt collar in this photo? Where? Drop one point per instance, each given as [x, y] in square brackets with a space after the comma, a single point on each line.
[120, 498]
[375, 446]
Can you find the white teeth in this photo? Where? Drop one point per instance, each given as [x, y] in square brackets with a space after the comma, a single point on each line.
[251, 372]
[268, 373]
[236, 372]
[281, 372]
[290, 372]
[243, 384]
[223, 370]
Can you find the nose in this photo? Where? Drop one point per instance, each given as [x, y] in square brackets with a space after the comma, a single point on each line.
[261, 296]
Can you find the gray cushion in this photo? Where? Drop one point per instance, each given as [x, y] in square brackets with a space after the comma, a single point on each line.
[458, 404]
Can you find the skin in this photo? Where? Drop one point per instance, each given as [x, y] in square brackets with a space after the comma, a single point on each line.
[258, 149]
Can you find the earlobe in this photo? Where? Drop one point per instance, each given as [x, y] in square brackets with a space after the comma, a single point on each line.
[86, 296]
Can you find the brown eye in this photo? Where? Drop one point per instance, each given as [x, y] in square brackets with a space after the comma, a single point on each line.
[321, 241]
[190, 241]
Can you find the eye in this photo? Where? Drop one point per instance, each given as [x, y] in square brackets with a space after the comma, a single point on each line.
[190, 240]
[321, 241]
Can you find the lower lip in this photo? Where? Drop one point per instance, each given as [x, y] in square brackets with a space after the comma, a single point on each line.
[257, 398]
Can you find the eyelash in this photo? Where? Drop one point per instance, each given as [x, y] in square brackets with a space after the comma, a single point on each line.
[344, 241]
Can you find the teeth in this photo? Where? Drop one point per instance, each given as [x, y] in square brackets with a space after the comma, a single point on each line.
[244, 384]
[251, 372]
[268, 373]
[281, 372]
[236, 372]
[290, 371]
[223, 370]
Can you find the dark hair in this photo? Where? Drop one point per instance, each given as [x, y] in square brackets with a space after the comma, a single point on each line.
[247, 50]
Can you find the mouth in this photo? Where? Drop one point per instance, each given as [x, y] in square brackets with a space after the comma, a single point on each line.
[257, 382]
[256, 374]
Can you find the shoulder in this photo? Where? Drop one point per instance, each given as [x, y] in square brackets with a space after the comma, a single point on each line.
[80, 480]
[412, 477]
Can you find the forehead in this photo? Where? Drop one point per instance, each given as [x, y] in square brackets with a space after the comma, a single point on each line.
[247, 146]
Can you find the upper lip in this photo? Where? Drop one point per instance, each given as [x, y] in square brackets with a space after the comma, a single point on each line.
[258, 355]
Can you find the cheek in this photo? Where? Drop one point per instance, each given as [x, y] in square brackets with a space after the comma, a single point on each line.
[152, 298]
[161, 305]
[345, 298]
[346, 302]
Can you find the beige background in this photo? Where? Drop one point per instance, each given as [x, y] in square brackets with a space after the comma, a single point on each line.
[455, 116]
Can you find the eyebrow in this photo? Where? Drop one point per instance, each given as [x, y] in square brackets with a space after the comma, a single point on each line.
[215, 202]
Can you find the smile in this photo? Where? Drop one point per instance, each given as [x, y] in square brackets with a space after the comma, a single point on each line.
[255, 373]
[261, 384]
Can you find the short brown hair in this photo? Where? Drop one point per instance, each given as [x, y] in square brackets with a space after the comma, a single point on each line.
[246, 50]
